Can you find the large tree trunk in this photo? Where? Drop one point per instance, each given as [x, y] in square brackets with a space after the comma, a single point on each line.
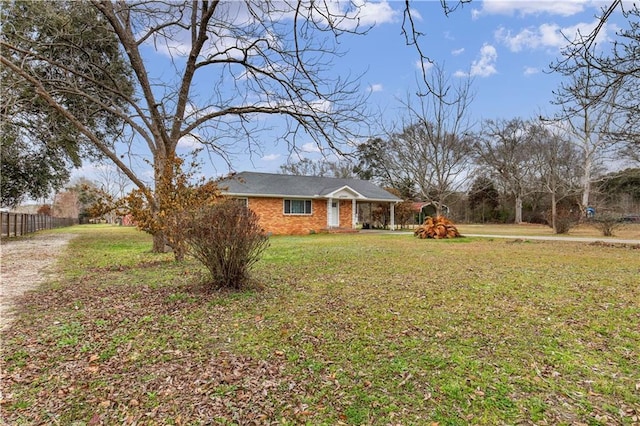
[554, 213]
[159, 243]
[163, 178]
[586, 185]
[518, 209]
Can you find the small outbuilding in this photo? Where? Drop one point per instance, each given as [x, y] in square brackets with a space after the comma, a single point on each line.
[426, 209]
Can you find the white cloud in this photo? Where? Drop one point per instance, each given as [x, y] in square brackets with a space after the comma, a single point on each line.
[171, 48]
[189, 142]
[376, 88]
[376, 13]
[457, 52]
[535, 7]
[460, 74]
[310, 147]
[485, 65]
[531, 70]
[194, 112]
[349, 15]
[515, 43]
[548, 36]
[271, 157]
[322, 105]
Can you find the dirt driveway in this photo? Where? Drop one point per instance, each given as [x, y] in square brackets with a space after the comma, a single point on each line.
[25, 263]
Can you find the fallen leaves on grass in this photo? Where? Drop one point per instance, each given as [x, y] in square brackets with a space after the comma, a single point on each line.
[123, 367]
[615, 245]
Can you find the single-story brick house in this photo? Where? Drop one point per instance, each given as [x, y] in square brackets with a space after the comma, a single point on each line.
[289, 204]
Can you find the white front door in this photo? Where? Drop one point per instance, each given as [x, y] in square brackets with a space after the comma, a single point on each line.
[335, 214]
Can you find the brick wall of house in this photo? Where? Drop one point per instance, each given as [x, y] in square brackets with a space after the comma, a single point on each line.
[272, 217]
[345, 214]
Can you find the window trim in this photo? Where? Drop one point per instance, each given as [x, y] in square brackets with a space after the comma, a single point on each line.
[307, 203]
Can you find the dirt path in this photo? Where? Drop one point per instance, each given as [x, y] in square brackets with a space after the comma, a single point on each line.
[24, 264]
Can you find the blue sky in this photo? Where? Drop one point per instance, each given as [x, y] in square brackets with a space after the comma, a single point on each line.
[504, 46]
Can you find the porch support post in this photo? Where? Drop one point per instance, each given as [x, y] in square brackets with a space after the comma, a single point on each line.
[329, 213]
[393, 220]
[354, 214]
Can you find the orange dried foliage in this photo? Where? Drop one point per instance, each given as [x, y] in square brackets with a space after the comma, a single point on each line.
[437, 228]
[176, 196]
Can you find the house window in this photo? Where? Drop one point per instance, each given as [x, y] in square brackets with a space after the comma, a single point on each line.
[297, 206]
[242, 201]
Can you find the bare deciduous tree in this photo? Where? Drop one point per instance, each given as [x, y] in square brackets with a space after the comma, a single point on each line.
[230, 62]
[556, 164]
[66, 204]
[590, 125]
[322, 167]
[504, 148]
[612, 67]
[112, 181]
[433, 149]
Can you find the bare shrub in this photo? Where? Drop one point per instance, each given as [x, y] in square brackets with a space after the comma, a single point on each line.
[565, 220]
[607, 223]
[228, 240]
[564, 225]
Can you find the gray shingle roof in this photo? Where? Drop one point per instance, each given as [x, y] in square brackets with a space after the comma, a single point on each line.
[277, 185]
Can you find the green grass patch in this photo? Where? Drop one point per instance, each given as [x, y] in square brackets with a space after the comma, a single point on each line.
[359, 329]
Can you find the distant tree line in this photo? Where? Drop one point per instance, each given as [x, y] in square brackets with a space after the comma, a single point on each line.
[514, 171]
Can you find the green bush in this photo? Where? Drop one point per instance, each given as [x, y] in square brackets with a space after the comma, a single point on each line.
[228, 240]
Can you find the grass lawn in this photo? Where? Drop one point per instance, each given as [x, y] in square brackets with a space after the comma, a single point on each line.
[626, 231]
[346, 329]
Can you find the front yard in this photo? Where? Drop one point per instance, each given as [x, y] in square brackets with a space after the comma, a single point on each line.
[345, 329]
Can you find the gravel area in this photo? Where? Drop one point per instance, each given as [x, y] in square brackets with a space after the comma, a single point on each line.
[25, 263]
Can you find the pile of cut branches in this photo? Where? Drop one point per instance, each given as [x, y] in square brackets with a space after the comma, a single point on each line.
[437, 228]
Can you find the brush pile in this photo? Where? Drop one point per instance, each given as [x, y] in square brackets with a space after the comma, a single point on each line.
[437, 228]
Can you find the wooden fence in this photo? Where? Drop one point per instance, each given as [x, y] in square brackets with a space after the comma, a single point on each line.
[16, 224]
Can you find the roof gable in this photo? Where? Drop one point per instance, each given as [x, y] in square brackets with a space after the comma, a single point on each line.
[344, 192]
[278, 185]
